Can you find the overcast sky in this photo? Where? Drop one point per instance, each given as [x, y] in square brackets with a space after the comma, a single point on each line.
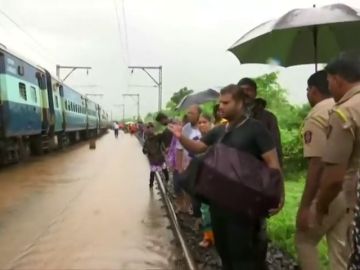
[189, 38]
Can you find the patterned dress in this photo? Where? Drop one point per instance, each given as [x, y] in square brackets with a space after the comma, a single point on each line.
[153, 149]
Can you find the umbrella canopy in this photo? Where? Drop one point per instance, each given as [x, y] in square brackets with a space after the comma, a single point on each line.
[198, 98]
[302, 36]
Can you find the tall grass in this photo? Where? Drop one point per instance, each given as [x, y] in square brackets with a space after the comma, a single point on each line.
[281, 228]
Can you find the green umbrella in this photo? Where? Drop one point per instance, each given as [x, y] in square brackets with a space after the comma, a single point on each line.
[302, 36]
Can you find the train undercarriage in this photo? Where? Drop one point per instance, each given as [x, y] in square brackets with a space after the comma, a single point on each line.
[16, 149]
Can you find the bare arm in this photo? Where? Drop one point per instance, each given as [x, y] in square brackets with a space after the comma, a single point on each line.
[331, 184]
[193, 146]
[275, 131]
[271, 159]
[336, 157]
[312, 181]
[179, 160]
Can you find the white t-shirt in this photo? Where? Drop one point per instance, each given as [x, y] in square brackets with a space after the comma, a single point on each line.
[116, 126]
[192, 133]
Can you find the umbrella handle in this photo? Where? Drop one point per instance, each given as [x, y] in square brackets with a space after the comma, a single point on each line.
[315, 37]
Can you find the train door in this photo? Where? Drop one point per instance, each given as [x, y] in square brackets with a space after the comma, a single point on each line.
[44, 103]
[58, 108]
[51, 103]
[2, 71]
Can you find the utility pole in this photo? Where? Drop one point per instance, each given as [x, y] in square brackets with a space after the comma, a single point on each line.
[158, 82]
[72, 69]
[137, 103]
[123, 109]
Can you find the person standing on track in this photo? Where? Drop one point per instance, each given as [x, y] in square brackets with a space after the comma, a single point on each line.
[205, 125]
[190, 131]
[153, 149]
[116, 129]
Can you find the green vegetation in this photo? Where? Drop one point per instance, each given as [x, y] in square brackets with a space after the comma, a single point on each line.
[281, 227]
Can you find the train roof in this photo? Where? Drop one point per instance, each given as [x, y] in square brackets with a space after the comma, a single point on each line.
[4, 49]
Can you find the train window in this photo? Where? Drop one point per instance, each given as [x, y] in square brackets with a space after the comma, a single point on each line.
[56, 102]
[33, 94]
[22, 91]
[21, 70]
[65, 104]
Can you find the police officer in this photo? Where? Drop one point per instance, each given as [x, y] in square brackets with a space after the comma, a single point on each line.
[342, 151]
[334, 228]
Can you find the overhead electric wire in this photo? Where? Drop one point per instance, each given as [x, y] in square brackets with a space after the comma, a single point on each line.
[125, 32]
[118, 22]
[28, 35]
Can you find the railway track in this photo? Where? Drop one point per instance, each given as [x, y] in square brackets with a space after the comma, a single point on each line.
[188, 259]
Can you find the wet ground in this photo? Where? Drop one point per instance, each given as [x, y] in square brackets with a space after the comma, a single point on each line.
[84, 209]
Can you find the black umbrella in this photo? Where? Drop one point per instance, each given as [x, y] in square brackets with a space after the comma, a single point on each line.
[301, 36]
[198, 98]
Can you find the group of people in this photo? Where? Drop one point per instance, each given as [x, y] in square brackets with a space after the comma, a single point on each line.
[331, 136]
[131, 128]
[330, 201]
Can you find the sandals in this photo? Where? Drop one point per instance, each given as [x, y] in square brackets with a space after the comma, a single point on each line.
[205, 243]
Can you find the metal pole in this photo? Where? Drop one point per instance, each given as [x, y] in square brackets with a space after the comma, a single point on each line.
[73, 68]
[138, 106]
[158, 82]
[160, 88]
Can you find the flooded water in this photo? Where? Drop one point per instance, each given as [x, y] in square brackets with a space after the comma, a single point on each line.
[84, 209]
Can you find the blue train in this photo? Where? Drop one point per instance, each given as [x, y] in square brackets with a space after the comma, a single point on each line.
[39, 113]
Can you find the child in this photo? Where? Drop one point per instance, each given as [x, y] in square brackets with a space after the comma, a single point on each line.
[205, 125]
[152, 148]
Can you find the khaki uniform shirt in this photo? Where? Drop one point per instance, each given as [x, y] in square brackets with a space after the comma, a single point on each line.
[343, 142]
[315, 128]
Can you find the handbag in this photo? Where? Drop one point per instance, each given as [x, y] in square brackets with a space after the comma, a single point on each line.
[238, 181]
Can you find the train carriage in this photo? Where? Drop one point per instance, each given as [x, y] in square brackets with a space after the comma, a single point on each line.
[24, 108]
[92, 117]
[22, 100]
[36, 109]
[104, 121]
[74, 110]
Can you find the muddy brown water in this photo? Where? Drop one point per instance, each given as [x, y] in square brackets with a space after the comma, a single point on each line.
[84, 209]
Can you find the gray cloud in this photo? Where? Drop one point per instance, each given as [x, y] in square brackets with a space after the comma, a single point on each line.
[188, 38]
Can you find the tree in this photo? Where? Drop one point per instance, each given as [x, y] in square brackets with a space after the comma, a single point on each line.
[177, 97]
